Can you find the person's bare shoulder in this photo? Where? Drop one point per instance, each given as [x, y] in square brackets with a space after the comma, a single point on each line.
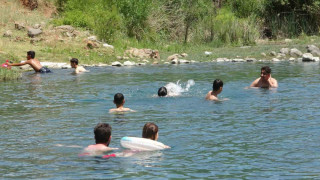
[112, 110]
[208, 95]
[255, 83]
[97, 149]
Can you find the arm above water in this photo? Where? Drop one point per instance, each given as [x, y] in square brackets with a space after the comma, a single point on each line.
[18, 64]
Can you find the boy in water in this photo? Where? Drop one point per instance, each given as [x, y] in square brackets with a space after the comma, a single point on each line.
[102, 135]
[162, 91]
[34, 63]
[217, 88]
[265, 80]
[150, 131]
[119, 102]
[74, 64]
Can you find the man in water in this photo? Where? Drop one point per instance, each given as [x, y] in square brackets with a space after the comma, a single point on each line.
[102, 135]
[119, 102]
[34, 63]
[265, 80]
[74, 64]
[216, 89]
[162, 91]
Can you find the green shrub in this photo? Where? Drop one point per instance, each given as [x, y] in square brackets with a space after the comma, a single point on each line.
[232, 30]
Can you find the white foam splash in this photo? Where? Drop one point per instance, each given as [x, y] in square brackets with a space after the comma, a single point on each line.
[175, 89]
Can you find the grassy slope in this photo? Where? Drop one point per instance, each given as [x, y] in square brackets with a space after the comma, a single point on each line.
[55, 47]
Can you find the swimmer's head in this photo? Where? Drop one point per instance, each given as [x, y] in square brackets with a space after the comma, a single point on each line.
[150, 131]
[102, 133]
[162, 91]
[267, 69]
[74, 61]
[118, 99]
[217, 85]
[31, 55]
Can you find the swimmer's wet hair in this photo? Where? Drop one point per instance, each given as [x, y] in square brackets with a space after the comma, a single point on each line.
[74, 60]
[32, 54]
[118, 98]
[267, 69]
[150, 130]
[102, 133]
[162, 91]
[217, 84]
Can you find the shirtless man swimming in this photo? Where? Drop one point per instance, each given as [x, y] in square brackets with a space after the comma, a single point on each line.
[34, 63]
[102, 135]
[265, 80]
[119, 102]
[74, 64]
[217, 87]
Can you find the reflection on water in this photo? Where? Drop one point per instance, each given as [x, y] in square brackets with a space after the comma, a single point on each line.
[46, 119]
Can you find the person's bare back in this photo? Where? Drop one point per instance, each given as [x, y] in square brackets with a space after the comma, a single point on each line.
[211, 96]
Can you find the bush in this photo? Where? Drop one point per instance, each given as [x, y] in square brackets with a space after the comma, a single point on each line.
[232, 30]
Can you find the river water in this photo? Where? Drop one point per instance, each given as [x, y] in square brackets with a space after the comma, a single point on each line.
[47, 119]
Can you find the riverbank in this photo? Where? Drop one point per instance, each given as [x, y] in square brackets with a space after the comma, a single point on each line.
[33, 30]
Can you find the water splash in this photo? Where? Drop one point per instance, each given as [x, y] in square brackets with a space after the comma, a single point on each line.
[175, 89]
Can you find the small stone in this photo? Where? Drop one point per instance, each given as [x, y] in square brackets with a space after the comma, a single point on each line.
[174, 61]
[116, 63]
[238, 60]
[208, 53]
[108, 46]
[129, 63]
[292, 59]
[263, 54]
[184, 55]
[275, 60]
[183, 61]
[288, 40]
[273, 53]
[250, 59]
[7, 34]
[19, 26]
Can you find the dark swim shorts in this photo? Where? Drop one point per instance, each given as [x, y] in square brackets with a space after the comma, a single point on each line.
[44, 70]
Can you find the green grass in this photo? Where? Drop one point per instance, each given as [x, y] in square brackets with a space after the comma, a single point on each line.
[6, 74]
[58, 48]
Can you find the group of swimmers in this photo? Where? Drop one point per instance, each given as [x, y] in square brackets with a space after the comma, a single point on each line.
[102, 136]
[37, 67]
[102, 131]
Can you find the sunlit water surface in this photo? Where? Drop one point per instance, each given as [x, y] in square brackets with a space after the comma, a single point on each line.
[47, 119]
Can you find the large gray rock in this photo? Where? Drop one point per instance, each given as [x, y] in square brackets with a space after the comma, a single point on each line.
[34, 32]
[308, 57]
[285, 51]
[313, 50]
[295, 52]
